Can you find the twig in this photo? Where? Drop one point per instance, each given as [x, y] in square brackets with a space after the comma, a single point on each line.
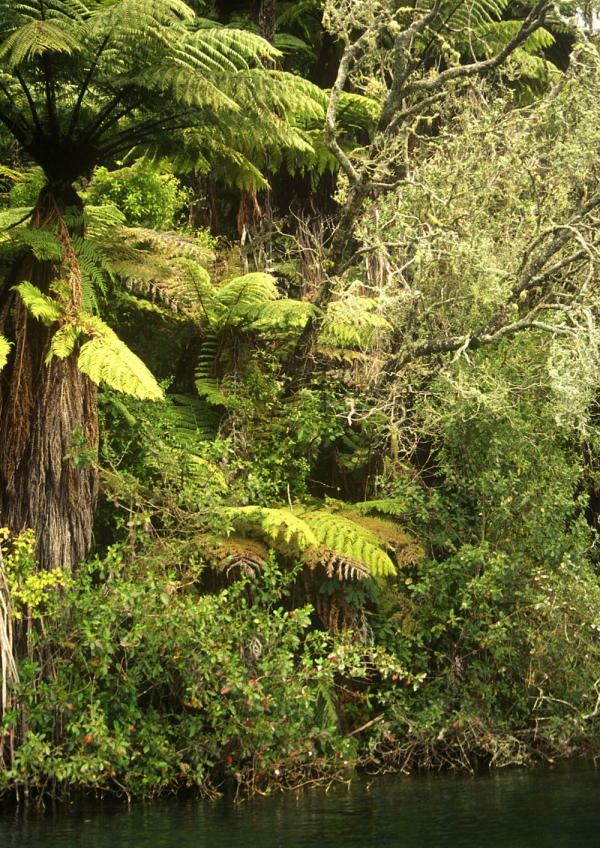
[366, 726]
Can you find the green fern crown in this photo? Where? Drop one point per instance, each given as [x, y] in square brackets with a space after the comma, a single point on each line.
[318, 536]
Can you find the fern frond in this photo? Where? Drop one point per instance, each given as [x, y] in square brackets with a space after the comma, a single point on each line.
[354, 321]
[95, 268]
[490, 38]
[11, 174]
[351, 540]
[336, 542]
[468, 15]
[386, 506]
[34, 39]
[101, 221]
[194, 420]
[63, 341]
[286, 530]
[357, 112]
[39, 305]
[11, 217]
[209, 389]
[387, 531]
[5, 347]
[280, 316]
[199, 471]
[257, 287]
[338, 565]
[106, 358]
[42, 243]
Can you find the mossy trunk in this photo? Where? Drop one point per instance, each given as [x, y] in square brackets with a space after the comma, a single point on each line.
[42, 406]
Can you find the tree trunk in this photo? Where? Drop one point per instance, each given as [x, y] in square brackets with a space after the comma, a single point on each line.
[266, 20]
[46, 411]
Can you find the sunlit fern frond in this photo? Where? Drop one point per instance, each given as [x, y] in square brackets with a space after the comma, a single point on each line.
[385, 506]
[351, 540]
[42, 307]
[354, 321]
[283, 317]
[106, 358]
[324, 538]
[5, 347]
[287, 532]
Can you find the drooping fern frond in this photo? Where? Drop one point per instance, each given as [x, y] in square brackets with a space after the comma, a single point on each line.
[238, 553]
[34, 39]
[287, 531]
[103, 358]
[333, 541]
[106, 358]
[350, 540]
[39, 305]
[5, 347]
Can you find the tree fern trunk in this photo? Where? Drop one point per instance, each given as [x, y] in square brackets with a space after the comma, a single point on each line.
[41, 407]
[266, 20]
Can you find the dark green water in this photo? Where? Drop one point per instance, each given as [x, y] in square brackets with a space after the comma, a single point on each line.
[557, 807]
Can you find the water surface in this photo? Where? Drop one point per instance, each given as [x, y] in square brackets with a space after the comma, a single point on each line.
[549, 807]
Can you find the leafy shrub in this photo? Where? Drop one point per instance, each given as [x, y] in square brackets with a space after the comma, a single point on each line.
[146, 196]
[154, 685]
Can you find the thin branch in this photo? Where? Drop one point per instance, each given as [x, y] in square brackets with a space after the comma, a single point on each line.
[106, 111]
[86, 85]
[532, 22]
[137, 135]
[351, 53]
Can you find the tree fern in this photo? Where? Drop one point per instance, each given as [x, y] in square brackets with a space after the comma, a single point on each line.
[119, 64]
[323, 537]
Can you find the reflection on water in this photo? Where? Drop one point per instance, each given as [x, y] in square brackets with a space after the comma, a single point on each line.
[550, 807]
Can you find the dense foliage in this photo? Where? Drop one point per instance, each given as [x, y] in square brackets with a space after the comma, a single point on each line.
[304, 348]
